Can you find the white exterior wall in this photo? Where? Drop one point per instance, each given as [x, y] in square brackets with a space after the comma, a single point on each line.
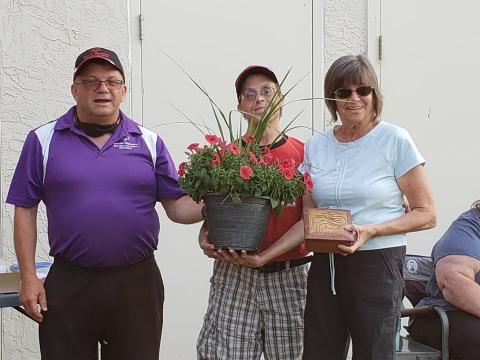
[39, 41]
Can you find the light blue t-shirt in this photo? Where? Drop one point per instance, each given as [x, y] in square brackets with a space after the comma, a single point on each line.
[362, 176]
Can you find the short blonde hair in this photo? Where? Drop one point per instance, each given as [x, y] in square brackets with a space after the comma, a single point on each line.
[350, 70]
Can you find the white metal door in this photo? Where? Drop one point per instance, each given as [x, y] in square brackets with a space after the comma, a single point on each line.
[430, 78]
[213, 40]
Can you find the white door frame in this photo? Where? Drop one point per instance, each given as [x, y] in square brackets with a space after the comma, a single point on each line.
[374, 13]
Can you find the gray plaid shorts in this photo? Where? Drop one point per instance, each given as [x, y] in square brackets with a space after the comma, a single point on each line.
[251, 313]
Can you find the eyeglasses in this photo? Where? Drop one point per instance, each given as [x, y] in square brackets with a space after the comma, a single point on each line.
[344, 93]
[93, 84]
[250, 95]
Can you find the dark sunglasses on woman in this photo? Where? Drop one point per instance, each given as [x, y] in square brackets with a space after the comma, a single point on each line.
[344, 93]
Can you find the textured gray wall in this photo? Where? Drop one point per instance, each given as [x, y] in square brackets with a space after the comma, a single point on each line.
[39, 42]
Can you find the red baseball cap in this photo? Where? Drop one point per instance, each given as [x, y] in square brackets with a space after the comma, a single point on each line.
[98, 53]
[252, 70]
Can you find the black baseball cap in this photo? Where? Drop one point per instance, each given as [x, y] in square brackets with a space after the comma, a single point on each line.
[98, 53]
[252, 70]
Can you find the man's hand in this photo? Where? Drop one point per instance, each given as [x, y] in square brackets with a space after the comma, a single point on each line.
[32, 297]
[241, 258]
[204, 242]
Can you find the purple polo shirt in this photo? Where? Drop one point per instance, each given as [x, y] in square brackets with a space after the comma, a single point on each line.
[100, 203]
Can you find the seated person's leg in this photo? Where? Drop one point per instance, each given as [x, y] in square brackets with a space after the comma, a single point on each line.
[464, 340]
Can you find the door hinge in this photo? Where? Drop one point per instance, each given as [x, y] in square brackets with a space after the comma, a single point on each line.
[140, 26]
[380, 47]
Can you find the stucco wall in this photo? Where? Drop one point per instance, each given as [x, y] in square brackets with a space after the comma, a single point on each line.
[345, 28]
[39, 42]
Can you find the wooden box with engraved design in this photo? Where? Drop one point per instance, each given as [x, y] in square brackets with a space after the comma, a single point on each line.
[324, 229]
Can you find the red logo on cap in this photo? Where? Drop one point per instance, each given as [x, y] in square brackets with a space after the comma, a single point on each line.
[96, 53]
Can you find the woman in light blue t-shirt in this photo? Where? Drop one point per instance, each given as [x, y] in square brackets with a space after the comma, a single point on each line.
[364, 165]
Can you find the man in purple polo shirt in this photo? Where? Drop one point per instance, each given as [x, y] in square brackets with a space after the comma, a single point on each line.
[100, 175]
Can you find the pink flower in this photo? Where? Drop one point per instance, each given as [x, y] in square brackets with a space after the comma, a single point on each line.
[232, 148]
[253, 159]
[308, 181]
[193, 147]
[288, 173]
[249, 139]
[246, 172]
[216, 160]
[268, 159]
[182, 168]
[212, 139]
[288, 163]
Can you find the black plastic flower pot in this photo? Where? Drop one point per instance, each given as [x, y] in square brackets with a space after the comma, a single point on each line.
[236, 226]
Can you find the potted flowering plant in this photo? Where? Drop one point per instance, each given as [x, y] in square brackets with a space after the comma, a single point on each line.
[240, 169]
[239, 180]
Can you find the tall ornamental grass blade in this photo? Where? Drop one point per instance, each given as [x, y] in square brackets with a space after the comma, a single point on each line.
[190, 120]
[200, 87]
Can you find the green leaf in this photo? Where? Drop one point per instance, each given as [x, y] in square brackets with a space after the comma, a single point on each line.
[275, 202]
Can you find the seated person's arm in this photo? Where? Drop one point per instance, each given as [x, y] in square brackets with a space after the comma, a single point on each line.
[456, 278]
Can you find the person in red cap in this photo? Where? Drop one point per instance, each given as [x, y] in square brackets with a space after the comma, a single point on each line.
[100, 175]
[258, 311]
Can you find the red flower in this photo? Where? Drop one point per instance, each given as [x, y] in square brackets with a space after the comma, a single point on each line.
[182, 168]
[253, 159]
[289, 163]
[308, 181]
[268, 159]
[223, 145]
[246, 172]
[193, 147]
[287, 172]
[216, 160]
[232, 148]
[212, 139]
[249, 139]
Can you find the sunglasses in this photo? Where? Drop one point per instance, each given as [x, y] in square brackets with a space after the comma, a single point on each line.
[344, 93]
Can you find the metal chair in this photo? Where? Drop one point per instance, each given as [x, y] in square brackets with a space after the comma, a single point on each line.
[417, 270]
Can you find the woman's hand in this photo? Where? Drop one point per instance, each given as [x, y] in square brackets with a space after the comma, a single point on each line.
[360, 233]
[242, 258]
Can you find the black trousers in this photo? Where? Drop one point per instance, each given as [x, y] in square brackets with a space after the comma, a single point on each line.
[369, 286]
[120, 308]
[464, 335]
